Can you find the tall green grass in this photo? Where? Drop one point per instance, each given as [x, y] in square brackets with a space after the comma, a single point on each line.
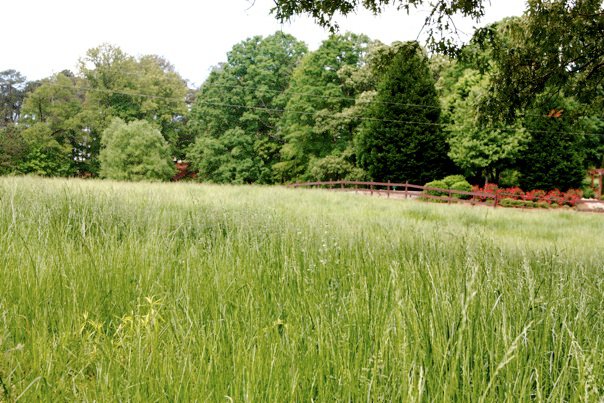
[176, 292]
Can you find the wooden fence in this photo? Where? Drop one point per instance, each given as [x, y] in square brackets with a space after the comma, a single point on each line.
[407, 190]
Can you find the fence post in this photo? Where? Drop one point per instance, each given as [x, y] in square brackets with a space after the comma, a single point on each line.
[495, 200]
[406, 189]
[388, 188]
[450, 197]
[371, 189]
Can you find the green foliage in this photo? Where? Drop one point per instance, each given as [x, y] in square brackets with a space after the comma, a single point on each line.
[509, 178]
[554, 158]
[321, 115]
[437, 184]
[589, 193]
[58, 104]
[478, 147]
[335, 167]
[147, 88]
[557, 44]
[135, 151]
[453, 179]
[401, 138]
[47, 153]
[463, 186]
[230, 159]
[235, 114]
[13, 149]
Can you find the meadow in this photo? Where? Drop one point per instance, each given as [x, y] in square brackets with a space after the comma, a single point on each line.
[181, 292]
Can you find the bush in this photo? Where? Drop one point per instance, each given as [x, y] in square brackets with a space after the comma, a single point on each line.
[589, 193]
[463, 186]
[331, 168]
[438, 185]
[135, 151]
[534, 195]
[572, 197]
[513, 193]
[542, 204]
[453, 179]
[507, 202]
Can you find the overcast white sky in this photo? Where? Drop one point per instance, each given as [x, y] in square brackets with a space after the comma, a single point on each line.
[42, 37]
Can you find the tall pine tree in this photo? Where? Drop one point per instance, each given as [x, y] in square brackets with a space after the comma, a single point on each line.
[554, 158]
[400, 138]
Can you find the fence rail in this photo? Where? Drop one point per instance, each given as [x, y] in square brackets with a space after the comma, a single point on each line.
[408, 190]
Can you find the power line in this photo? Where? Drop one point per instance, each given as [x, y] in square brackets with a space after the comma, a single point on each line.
[281, 111]
[241, 84]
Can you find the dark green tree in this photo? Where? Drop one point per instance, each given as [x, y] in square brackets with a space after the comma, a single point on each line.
[400, 138]
[47, 154]
[13, 149]
[554, 158]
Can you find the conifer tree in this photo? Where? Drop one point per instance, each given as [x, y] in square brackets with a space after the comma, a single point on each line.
[400, 138]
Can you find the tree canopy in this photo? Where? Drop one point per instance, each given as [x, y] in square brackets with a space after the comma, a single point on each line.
[558, 43]
[237, 109]
[519, 104]
[438, 23]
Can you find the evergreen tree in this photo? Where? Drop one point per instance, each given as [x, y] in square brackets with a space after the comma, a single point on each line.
[400, 138]
[554, 158]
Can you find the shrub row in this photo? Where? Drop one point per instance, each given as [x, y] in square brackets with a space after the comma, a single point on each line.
[516, 197]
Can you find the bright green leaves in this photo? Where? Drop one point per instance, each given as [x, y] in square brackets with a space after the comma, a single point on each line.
[135, 151]
[479, 148]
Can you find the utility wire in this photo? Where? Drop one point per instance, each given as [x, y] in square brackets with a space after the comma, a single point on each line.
[281, 111]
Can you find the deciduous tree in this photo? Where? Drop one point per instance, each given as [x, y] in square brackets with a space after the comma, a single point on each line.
[317, 121]
[237, 109]
[135, 151]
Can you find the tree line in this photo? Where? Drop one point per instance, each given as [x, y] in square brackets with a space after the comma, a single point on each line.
[275, 112]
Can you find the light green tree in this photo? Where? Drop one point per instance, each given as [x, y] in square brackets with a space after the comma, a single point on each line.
[135, 151]
[478, 147]
[119, 85]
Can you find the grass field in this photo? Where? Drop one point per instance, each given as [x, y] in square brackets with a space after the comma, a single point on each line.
[180, 292]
